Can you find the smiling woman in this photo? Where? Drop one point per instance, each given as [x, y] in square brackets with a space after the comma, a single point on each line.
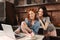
[30, 25]
[45, 23]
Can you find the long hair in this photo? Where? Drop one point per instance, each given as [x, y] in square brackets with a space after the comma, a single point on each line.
[45, 14]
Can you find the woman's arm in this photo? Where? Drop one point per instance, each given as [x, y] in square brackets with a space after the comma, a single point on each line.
[43, 26]
[17, 30]
[25, 28]
[46, 25]
[47, 22]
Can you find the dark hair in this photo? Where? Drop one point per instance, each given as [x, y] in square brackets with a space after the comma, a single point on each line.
[45, 14]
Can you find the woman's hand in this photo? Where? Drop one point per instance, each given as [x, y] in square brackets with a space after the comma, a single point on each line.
[30, 34]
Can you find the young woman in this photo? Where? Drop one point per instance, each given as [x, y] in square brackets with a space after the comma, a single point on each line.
[45, 23]
[30, 25]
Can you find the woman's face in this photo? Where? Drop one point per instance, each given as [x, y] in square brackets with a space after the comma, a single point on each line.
[40, 12]
[31, 15]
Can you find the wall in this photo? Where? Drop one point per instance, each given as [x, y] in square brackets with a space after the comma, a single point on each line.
[11, 1]
[53, 11]
[10, 14]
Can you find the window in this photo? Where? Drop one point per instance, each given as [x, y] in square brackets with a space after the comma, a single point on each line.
[24, 2]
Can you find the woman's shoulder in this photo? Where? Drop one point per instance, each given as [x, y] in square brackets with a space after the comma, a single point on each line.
[26, 20]
[37, 22]
[47, 17]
